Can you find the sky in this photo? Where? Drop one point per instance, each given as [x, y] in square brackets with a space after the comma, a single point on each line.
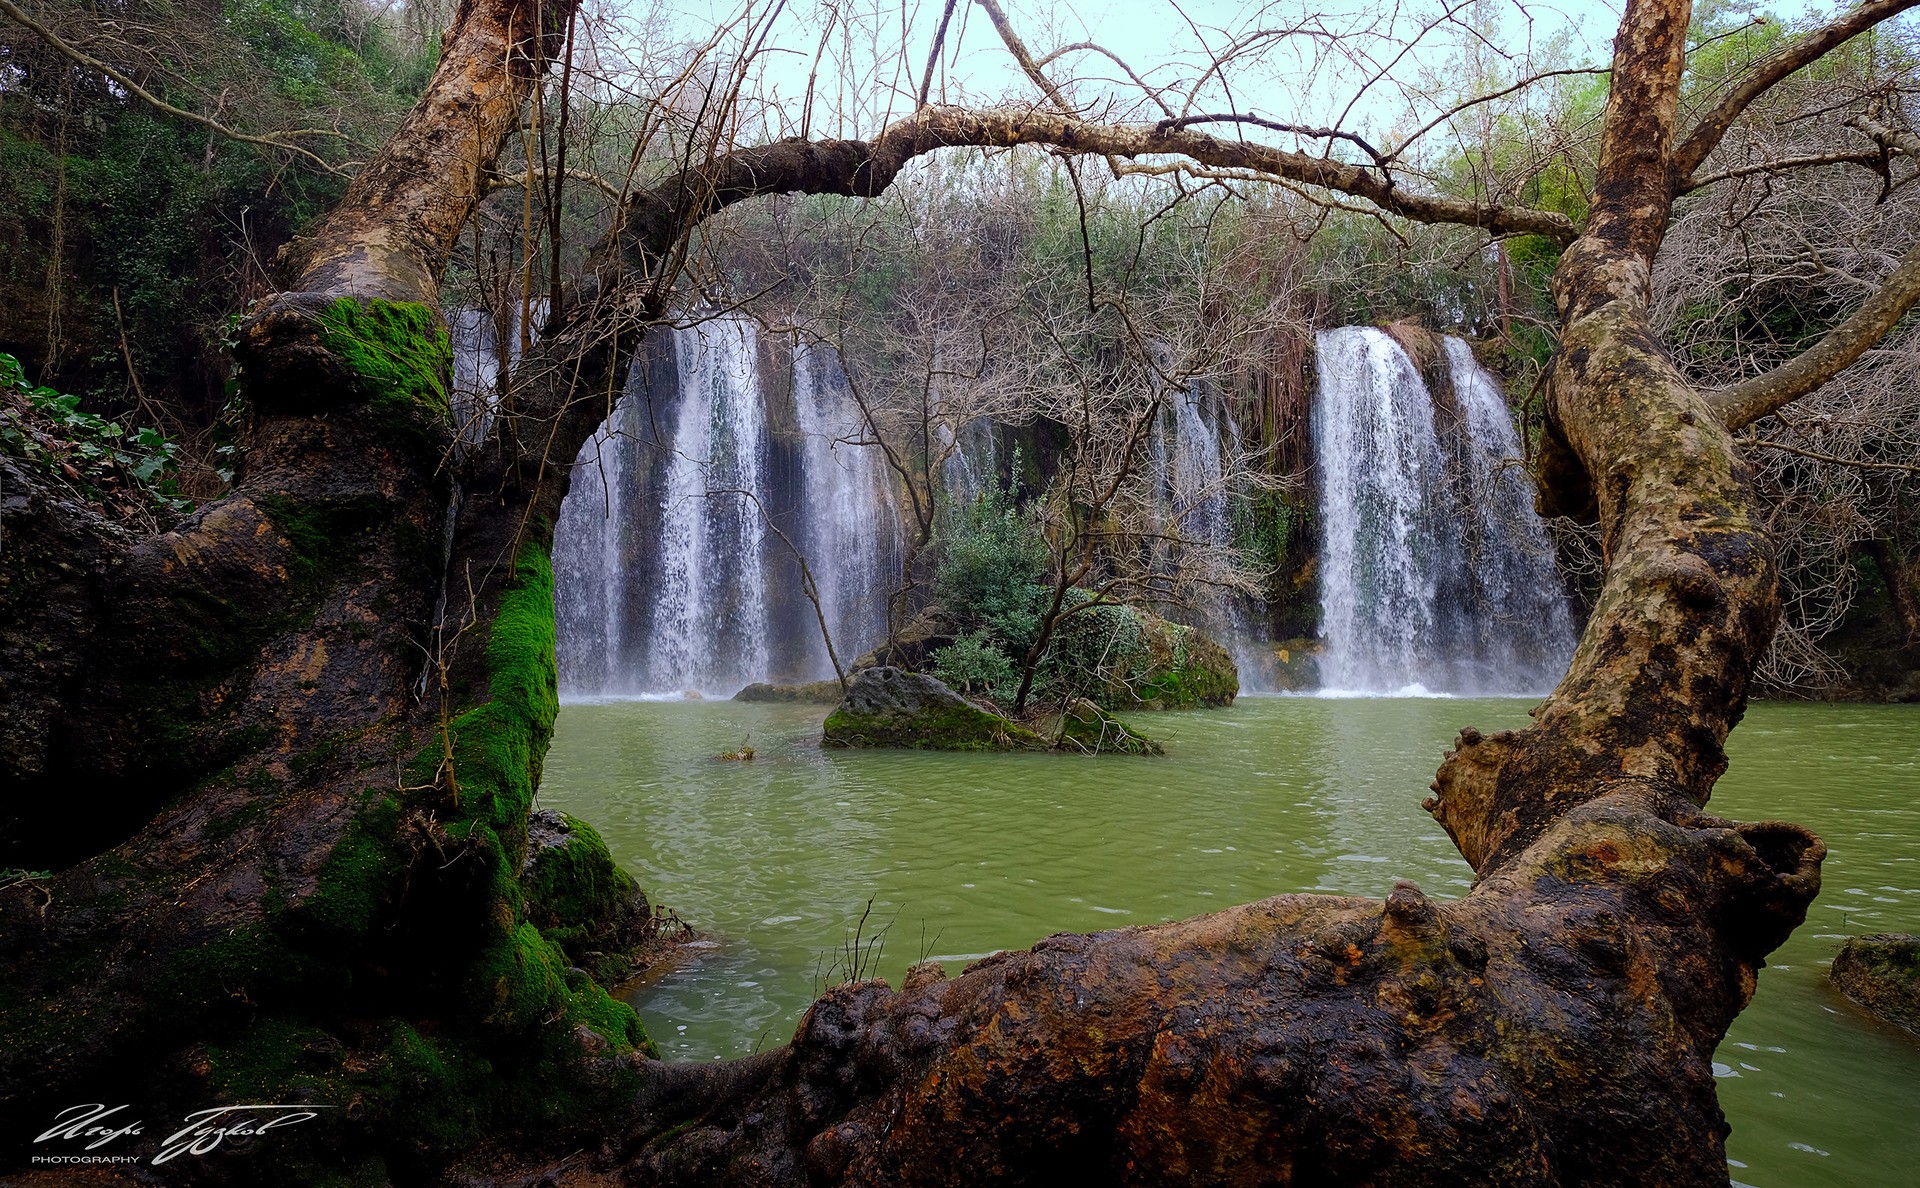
[976, 67]
[865, 79]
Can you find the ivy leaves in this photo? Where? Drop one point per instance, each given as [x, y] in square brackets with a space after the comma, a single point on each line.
[103, 460]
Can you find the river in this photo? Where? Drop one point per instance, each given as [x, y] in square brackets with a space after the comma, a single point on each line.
[961, 855]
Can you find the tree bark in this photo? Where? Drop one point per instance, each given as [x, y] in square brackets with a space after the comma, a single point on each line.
[1555, 1026]
[285, 813]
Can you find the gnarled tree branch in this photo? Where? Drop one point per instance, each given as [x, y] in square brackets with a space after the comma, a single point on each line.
[1712, 127]
[67, 50]
[1746, 402]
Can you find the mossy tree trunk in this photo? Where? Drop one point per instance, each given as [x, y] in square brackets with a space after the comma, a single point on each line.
[284, 806]
[282, 762]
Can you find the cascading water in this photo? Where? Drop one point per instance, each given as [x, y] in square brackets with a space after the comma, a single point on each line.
[1190, 461]
[970, 462]
[851, 537]
[1435, 573]
[670, 579]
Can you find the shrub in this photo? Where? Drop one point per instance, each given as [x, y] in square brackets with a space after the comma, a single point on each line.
[992, 561]
[974, 663]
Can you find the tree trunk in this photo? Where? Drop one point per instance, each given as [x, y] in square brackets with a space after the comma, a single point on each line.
[303, 730]
[286, 808]
[1902, 575]
[1555, 1026]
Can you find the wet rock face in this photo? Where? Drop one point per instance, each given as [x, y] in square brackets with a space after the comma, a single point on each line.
[887, 707]
[887, 690]
[1881, 973]
[810, 693]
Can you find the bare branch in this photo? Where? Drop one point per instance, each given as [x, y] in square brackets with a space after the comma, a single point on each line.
[1781, 165]
[1744, 403]
[1153, 93]
[59, 44]
[857, 168]
[1502, 93]
[1856, 463]
[1023, 55]
[1711, 127]
[1294, 129]
[541, 177]
[933, 55]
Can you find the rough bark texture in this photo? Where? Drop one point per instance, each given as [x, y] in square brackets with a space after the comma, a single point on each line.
[288, 841]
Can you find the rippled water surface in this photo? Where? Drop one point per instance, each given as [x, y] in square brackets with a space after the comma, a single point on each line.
[962, 855]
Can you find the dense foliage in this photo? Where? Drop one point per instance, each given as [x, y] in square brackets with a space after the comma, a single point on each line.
[129, 237]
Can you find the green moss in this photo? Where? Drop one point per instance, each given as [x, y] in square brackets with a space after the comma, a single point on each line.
[574, 889]
[1181, 669]
[398, 350]
[360, 874]
[943, 728]
[1882, 973]
[1085, 727]
[518, 980]
[270, 1056]
[255, 957]
[498, 747]
[504, 1051]
[434, 1093]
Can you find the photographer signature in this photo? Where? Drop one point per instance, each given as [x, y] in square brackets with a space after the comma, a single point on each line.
[204, 1131]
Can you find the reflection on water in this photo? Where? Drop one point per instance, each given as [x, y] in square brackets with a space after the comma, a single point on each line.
[962, 855]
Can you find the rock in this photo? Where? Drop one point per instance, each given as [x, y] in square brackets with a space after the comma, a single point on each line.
[1088, 728]
[580, 898]
[1183, 668]
[1296, 667]
[914, 646]
[886, 707]
[811, 693]
[1881, 973]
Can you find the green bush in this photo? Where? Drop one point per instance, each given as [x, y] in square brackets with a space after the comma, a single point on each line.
[1091, 649]
[98, 457]
[974, 663]
[992, 560]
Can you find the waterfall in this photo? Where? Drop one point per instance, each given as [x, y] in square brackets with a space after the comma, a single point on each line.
[1435, 573]
[1188, 451]
[970, 462]
[709, 630]
[1194, 470]
[474, 338]
[670, 576]
[852, 538]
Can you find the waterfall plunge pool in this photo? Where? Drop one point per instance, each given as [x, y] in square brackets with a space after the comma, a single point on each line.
[966, 854]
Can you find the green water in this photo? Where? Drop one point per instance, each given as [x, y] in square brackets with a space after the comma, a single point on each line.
[962, 855]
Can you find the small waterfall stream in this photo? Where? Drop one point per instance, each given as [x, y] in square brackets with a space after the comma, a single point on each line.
[670, 577]
[852, 528]
[709, 628]
[1188, 449]
[1436, 575]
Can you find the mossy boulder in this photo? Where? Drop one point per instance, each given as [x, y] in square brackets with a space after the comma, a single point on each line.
[887, 707]
[1179, 667]
[826, 692]
[1087, 728]
[1881, 973]
[579, 898]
